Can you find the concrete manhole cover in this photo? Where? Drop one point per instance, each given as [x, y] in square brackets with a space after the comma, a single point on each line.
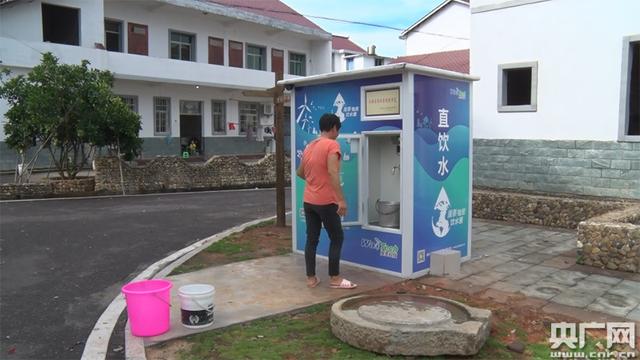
[410, 325]
[404, 313]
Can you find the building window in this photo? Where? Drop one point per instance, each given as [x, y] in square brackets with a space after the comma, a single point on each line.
[378, 62]
[60, 25]
[218, 117]
[131, 102]
[256, 57]
[138, 39]
[277, 63]
[517, 87]
[297, 64]
[113, 35]
[350, 64]
[248, 117]
[162, 115]
[630, 102]
[182, 46]
[216, 51]
[235, 53]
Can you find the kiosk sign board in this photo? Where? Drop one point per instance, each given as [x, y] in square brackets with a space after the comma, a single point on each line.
[382, 102]
[441, 171]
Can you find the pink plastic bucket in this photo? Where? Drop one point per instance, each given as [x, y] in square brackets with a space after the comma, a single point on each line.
[148, 306]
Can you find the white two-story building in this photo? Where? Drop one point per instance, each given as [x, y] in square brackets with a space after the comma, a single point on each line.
[557, 107]
[348, 55]
[194, 70]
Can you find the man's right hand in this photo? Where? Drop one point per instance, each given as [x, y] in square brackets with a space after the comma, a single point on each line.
[342, 208]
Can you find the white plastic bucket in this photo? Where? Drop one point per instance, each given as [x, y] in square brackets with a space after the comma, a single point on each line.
[196, 305]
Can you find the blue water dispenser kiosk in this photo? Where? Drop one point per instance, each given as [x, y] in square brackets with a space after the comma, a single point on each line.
[406, 162]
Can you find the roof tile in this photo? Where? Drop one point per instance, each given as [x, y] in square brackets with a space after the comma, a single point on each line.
[456, 60]
[343, 43]
[270, 8]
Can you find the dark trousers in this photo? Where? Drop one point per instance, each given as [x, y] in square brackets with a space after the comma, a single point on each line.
[327, 215]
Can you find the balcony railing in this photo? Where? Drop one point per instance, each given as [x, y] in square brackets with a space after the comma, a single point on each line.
[14, 53]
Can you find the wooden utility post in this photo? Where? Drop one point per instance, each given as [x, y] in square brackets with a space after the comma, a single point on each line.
[277, 94]
[278, 100]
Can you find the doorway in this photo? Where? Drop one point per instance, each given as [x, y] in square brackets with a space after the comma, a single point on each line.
[191, 128]
[382, 180]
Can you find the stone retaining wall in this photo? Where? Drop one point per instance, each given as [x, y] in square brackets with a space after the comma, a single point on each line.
[174, 174]
[51, 188]
[538, 209]
[611, 240]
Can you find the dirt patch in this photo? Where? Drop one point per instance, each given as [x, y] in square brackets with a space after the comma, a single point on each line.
[262, 240]
[169, 350]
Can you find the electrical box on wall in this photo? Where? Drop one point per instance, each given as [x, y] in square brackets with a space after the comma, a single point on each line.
[267, 109]
[405, 141]
[266, 115]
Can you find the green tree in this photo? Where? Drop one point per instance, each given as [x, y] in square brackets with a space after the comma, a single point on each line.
[70, 111]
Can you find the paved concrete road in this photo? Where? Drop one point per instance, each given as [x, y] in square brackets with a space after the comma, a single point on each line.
[63, 261]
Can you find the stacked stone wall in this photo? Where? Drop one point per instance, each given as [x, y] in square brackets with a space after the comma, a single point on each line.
[174, 174]
[611, 241]
[540, 209]
[50, 188]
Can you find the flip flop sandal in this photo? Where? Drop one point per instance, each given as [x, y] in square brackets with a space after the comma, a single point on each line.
[344, 284]
[311, 286]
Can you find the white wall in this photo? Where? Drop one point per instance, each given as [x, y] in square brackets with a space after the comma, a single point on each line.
[337, 62]
[340, 62]
[359, 62]
[147, 91]
[452, 20]
[578, 47]
[320, 58]
[368, 61]
[23, 20]
[21, 45]
[166, 17]
[20, 54]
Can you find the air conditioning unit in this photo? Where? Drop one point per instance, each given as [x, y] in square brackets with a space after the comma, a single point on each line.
[267, 109]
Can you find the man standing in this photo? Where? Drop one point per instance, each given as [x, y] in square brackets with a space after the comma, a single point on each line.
[324, 202]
